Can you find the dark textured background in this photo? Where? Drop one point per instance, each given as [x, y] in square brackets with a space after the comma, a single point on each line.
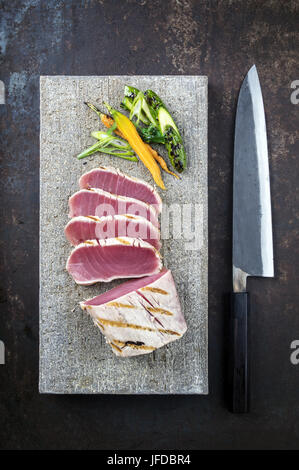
[220, 39]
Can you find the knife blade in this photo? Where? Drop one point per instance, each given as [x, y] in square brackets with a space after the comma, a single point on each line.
[252, 226]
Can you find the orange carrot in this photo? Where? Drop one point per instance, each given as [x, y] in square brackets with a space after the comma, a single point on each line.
[161, 161]
[108, 122]
[127, 128]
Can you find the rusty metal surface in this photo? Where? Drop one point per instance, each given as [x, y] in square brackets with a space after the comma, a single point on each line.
[218, 39]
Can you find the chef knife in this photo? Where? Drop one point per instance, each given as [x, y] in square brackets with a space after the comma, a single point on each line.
[252, 227]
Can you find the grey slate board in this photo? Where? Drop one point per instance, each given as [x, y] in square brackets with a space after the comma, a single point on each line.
[74, 357]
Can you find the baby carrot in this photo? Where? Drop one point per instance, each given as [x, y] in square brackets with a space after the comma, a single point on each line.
[129, 132]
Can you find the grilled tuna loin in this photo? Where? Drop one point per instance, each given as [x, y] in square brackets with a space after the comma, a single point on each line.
[84, 228]
[114, 181]
[100, 203]
[140, 315]
[114, 258]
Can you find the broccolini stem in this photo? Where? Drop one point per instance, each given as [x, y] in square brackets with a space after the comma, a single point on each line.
[110, 150]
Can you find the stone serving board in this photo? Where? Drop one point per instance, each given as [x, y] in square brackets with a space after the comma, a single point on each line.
[74, 357]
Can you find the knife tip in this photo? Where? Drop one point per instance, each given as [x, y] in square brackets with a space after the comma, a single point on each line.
[252, 70]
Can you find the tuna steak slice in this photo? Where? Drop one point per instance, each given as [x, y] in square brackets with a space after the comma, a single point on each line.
[94, 201]
[112, 180]
[139, 316]
[83, 228]
[114, 258]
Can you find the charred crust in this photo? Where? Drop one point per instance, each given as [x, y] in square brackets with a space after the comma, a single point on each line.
[135, 343]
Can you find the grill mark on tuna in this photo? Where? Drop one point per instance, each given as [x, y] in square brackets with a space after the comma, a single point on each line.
[119, 324]
[119, 305]
[162, 311]
[155, 290]
[121, 240]
[133, 345]
[115, 347]
[170, 332]
[137, 343]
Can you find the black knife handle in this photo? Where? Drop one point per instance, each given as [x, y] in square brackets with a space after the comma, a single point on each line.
[238, 353]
